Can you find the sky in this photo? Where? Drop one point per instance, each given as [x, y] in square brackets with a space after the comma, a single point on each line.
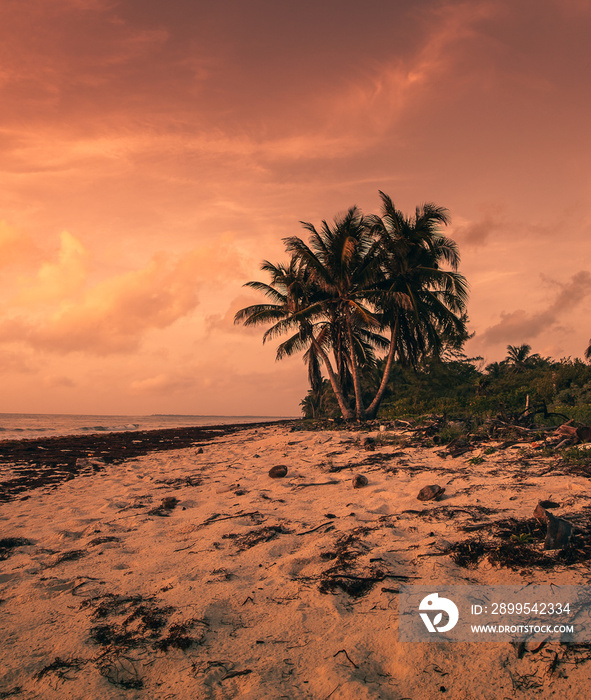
[153, 153]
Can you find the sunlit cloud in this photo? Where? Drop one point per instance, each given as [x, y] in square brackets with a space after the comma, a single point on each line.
[114, 314]
[57, 280]
[520, 326]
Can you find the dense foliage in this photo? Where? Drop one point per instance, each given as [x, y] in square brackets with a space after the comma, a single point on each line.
[458, 386]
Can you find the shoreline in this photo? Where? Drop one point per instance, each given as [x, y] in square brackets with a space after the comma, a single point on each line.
[47, 461]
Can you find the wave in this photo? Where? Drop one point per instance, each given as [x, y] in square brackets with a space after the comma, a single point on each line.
[109, 428]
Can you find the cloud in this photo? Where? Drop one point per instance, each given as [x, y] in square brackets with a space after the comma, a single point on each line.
[478, 233]
[56, 280]
[166, 383]
[58, 381]
[16, 247]
[225, 322]
[14, 362]
[520, 326]
[64, 312]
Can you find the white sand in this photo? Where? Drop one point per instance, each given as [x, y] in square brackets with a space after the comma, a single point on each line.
[262, 628]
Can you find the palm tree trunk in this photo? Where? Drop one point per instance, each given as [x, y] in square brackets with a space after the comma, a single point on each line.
[354, 370]
[336, 387]
[372, 410]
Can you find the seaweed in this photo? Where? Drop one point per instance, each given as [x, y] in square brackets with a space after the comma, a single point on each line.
[178, 636]
[139, 622]
[341, 575]
[70, 555]
[7, 544]
[120, 671]
[61, 668]
[254, 537]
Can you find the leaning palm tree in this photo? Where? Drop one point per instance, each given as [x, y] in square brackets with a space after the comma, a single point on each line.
[342, 262]
[295, 305]
[421, 304]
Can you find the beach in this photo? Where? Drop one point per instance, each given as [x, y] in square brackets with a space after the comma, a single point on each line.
[186, 571]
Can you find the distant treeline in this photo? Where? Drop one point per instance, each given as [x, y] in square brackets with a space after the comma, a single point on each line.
[460, 385]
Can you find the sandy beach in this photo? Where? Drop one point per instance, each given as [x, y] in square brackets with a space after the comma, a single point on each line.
[191, 573]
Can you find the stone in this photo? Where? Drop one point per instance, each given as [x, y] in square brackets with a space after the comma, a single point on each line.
[432, 492]
[359, 481]
[278, 472]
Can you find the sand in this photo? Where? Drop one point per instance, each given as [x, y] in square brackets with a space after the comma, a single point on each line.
[252, 587]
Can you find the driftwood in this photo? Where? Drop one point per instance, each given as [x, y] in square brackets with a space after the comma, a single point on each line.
[317, 483]
[307, 532]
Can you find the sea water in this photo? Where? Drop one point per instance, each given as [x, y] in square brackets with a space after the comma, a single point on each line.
[23, 426]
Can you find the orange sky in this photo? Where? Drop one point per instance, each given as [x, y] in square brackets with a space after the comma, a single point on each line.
[152, 153]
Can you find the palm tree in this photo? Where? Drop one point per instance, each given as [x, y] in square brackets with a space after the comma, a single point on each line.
[294, 306]
[588, 351]
[422, 305]
[519, 356]
[342, 261]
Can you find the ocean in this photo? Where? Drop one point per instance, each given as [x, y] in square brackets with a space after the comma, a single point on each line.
[21, 426]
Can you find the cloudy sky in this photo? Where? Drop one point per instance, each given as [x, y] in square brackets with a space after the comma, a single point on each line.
[154, 152]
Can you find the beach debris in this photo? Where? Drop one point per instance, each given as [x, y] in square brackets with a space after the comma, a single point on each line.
[343, 651]
[458, 447]
[548, 504]
[103, 540]
[559, 531]
[278, 472]
[443, 546]
[219, 671]
[317, 483]
[178, 483]
[94, 464]
[71, 555]
[571, 435]
[433, 492]
[60, 668]
[178, 636]
[254, 537]
[168, 504]
[199, 451]
[359, 481]
[512, 547]
[368, 443]
[307, 532]
[121, 672]
[136, 622]
[7, 544]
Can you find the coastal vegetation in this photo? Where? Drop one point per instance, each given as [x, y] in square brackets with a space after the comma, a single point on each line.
[453, 386]
[362, 287]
